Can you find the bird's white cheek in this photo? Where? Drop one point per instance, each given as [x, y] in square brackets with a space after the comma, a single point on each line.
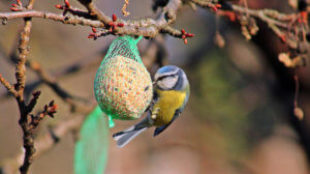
[161, 84]
[169, 83]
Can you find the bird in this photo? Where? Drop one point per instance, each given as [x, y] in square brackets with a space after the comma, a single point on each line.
[171, 94]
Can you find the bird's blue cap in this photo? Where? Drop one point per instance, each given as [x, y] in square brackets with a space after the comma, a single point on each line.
[167, 69]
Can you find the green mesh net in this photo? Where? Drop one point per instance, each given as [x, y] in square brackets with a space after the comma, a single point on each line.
[123, 86]
[91, 150]
[123, 89]
[125, 46]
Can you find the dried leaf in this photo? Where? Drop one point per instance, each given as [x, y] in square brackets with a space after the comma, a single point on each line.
[285, 59]
[219, 40]
[252, 27]
[291, 62]
[299, 113]
[293, 4]
[245, 32]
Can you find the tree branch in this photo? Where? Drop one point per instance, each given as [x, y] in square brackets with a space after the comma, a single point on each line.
[145, 27]
[44, 143]
[280, 23]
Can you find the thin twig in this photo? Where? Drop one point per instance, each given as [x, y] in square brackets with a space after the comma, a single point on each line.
[8, 86]
[124, 8]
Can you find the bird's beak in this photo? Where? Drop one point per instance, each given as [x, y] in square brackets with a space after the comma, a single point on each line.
[154, 83]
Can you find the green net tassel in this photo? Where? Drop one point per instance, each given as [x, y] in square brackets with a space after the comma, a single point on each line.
[91, 150]
[111, 122]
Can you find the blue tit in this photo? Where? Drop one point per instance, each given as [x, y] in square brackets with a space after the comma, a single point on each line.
[171, 93]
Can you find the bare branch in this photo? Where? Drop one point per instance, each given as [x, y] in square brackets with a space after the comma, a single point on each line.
[52, 16]
[144, 27]
[44, 142]
[280, 23]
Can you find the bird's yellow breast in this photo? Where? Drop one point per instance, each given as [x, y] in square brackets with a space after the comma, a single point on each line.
[168, 103]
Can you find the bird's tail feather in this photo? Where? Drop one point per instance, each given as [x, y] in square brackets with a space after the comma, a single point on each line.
[124, 137]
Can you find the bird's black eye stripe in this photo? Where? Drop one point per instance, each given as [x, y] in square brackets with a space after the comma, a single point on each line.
[162, 77]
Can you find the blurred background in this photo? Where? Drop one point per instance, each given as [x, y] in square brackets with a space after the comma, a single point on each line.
[239, 118]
